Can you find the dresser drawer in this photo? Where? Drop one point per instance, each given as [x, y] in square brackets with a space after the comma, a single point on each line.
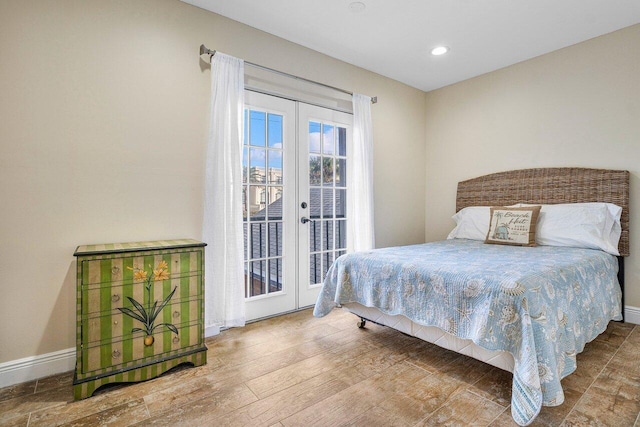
[132, 349]
[100, 300]
[120, 270]
[103, 328]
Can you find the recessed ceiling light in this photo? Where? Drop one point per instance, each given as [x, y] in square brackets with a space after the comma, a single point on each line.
[357, 6]
[440, 50]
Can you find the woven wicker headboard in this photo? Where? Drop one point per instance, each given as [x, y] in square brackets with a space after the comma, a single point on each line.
[549, 186]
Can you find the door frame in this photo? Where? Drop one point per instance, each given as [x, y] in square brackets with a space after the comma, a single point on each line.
[297, 292]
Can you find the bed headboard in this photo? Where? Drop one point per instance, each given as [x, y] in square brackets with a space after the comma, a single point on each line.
[550, 186]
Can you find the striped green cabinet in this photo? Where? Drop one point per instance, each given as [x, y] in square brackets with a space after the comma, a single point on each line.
[140, 311]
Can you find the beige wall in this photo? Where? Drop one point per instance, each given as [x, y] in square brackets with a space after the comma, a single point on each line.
[579, 106]
[104, 108]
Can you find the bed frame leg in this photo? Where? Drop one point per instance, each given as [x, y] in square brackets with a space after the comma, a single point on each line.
[621, 281]
[361, 323]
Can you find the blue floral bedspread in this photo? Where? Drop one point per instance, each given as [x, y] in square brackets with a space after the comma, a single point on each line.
[541, 304]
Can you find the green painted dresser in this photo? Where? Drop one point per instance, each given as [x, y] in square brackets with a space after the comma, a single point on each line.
[140, 311]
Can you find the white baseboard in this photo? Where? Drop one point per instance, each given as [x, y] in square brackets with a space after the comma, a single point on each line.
[31, 368]
[210, 331]
[44, 365]
[632, 315]
[34, 367]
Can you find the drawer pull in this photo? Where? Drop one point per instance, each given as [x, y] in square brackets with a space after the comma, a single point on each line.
[175, 340]
[115, 322]
[115, 298]
[115, 354]
[176, 314]
[115, 270]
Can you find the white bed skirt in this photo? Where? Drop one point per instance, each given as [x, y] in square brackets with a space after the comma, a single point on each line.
[500, 359]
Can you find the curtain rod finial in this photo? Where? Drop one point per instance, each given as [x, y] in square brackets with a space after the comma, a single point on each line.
[374, 100]
[203, 50]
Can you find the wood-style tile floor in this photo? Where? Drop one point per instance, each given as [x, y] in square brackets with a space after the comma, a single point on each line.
[296, 370]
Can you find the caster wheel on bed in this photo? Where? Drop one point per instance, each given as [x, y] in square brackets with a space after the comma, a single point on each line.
[361, 323]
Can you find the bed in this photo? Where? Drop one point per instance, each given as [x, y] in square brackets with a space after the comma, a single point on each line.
[528, 310]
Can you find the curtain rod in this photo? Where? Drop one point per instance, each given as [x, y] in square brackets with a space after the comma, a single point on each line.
[204, 50]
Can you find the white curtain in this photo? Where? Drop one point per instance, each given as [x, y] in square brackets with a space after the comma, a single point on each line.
[222, 221]
[360, 199]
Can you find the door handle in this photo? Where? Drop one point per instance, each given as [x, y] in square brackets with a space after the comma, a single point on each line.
[304, 220]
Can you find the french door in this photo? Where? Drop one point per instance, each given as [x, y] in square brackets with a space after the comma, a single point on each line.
[294, 200]
[324, 139]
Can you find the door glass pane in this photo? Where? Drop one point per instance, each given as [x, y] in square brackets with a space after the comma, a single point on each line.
[327, 235]
[244, 229]
[263, 189]
[257, 163]
[327, 203]
[315, 235]
[244, 202]
[314, 137]
[341, 172]
[327, 171]
[275, 131]
[257, 196]
[315, 203]
[275, 274]
[341, 203]
[274, 173]
[257, 128]
[315, 169]
[275, 239]
[274, 208]
[245, 162]
[257, 276]
[315, 268]
[342, 142]
[328, 139]
[341, 234]
[258, 240]
[326, 263]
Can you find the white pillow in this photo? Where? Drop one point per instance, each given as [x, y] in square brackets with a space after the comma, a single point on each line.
[472, 223]
[582, 225]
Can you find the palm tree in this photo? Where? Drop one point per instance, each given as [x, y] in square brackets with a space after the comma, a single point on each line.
[320, 165]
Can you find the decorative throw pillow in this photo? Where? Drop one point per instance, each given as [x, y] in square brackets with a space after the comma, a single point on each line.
[513, 226]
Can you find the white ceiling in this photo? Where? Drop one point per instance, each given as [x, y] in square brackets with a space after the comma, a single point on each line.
[394, 38]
